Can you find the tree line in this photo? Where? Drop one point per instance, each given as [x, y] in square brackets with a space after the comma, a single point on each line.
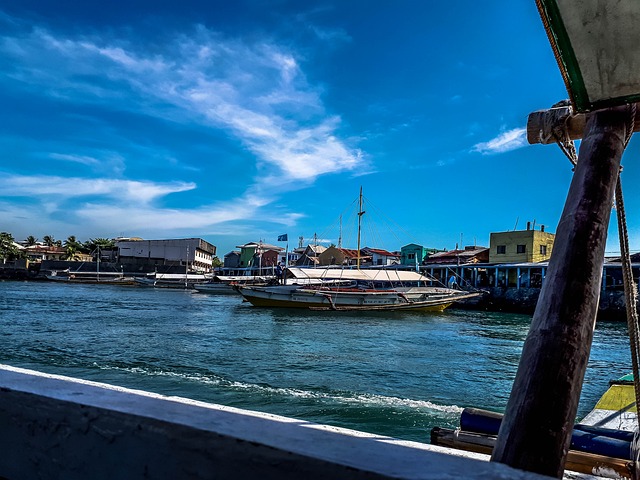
[72, 246]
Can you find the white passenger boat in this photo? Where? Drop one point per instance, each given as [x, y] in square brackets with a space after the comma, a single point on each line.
[171, 280]
[346, 289]
[225, 284]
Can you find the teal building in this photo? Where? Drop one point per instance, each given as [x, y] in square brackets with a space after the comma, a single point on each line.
[413, 254]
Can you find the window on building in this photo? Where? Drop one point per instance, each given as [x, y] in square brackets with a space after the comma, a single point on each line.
[501, 249]
[521, 249]
[543, 249]
[411, 256]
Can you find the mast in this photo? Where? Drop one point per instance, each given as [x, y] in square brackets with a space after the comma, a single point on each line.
[315, 250]
[186, 270]
[360, 213]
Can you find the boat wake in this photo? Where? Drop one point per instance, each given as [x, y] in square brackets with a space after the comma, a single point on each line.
[345, 398]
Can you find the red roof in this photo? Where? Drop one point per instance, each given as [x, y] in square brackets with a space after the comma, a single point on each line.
[379, 251]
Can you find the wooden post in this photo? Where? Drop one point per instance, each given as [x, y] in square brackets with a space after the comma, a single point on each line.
[536, 430]
[542, 124]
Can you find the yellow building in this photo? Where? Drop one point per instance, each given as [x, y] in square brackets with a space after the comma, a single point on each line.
[520, 246]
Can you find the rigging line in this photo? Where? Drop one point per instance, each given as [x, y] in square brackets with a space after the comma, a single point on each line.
[629, 291]
[331, 227]
[373, 232]
[392, 223]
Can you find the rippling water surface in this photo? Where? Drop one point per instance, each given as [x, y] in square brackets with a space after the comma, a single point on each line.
[397, 374]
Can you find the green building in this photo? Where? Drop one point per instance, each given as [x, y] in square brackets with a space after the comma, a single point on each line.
[413, 254]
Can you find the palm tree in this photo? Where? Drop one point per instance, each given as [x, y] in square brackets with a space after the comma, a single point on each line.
[102, 243]
[72, 242]
[72, 248]
[31, 241]
[48, 240]
[71, 253]
[8, 249]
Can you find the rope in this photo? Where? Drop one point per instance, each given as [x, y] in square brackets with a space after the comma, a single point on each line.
[630, 290]
[560, 132]
[631, 123]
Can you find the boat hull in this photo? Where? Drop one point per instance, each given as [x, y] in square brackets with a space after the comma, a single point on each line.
[344, 299]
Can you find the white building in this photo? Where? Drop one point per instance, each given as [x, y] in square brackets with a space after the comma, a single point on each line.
[195, 252]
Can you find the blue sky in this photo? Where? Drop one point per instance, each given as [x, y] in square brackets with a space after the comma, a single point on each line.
[241, 121]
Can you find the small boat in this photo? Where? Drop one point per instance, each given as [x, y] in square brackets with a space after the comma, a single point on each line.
[225, 284]
[345, 289]
[171, 280]
[104, 278]
[601, 443]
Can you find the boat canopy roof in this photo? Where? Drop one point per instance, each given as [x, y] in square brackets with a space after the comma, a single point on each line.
[241, 278]
[366, 274]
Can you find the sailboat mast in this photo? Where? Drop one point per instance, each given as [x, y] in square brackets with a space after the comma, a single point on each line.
[360, 213]
[186, 270]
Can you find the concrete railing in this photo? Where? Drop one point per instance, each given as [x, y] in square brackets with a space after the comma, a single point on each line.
[62, 428]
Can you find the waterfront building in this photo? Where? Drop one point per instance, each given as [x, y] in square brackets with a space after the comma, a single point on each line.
[517, 246]
[381, 257]
[39, 253]
[468, 255]
[254, 256]
[414, 254]
[232, 260]
[195, 253]
[342, 256]
[309, 256]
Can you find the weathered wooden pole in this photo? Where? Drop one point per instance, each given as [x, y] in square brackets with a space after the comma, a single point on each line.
[536, 430]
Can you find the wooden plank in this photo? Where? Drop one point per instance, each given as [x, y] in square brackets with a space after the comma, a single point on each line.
[577, 461]
[541, 124]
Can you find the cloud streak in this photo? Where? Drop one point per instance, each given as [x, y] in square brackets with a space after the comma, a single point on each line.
[257, 92]
[505, 142]
[252, 92]
[61, 188]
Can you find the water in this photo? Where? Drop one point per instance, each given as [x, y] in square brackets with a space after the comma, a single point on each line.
[397, 374]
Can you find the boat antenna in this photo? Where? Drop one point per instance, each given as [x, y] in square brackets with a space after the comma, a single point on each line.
[340, 234]
[360, 214]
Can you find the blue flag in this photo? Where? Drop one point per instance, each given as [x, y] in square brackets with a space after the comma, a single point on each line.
[283, 238]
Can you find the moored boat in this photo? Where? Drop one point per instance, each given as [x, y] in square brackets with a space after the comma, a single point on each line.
[170, 280]
[105, 278]
[602, 443]
[345, 289]
[225, 284]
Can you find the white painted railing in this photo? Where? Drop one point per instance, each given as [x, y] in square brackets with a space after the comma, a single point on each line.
[56, 427]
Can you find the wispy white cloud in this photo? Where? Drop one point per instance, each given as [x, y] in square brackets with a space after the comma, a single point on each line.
[254, 91]
[115, 206]
[44, 187]
[83, 159]
[331, 35]
[505, 142]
